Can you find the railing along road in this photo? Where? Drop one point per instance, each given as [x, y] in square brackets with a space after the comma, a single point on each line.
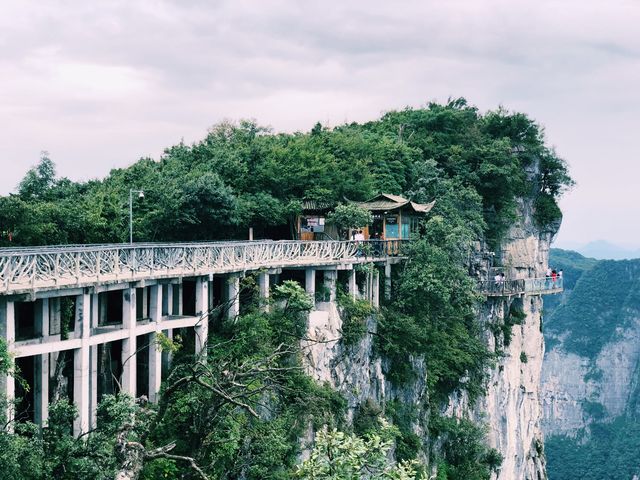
[519, 287]
[30, 268]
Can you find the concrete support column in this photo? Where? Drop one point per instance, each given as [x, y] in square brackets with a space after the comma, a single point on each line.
[55, 316]
[170, 300]
[166, 356]
[375, 294]
[41, 388]
[263, 282]
[42, 317]
[202, 311]
[387, 281]
[233, 297]
[7, 382]
[310, 283]
[93, 362]
[128, 383]
[353, 284]
[145, 302]
[180, 299]
[93, 386]
[155, 355]
[330, 280]
[81, 386]
[41, 365]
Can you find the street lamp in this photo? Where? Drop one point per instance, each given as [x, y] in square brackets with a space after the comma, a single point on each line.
[140, 195]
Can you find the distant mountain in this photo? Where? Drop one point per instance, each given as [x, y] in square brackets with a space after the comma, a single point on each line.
[591, 370]
[603, 250]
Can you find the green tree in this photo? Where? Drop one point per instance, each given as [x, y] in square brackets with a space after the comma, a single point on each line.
[349, 216]
[340, 456]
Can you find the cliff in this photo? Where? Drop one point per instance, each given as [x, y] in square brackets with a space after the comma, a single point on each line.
[510, 408]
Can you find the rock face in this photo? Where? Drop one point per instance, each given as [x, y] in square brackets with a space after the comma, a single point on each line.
[511, 408]
[571, 384]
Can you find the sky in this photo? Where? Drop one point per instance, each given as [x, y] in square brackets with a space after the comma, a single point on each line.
[100, 84]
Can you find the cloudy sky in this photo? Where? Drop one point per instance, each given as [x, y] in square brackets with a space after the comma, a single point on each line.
[100, 84]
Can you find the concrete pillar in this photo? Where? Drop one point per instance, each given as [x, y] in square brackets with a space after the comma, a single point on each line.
[353, 284]
[375, 294]
[93, 361]
[170, 299]
[81, 375]
[55, 316]
[387, 281]
[202, 311]
[310, 283]
[128, 383]
[180, 299]
[330, 280]
[93, 386]
[42, 317]
[7, 381]
[166, 356]
[41, 388]
[145, 302]
[233, 297]
[155, 355]
[41, 364]
[263, 282]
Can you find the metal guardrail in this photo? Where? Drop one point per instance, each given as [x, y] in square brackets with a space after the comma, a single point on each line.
[532, 286]
[24, 269]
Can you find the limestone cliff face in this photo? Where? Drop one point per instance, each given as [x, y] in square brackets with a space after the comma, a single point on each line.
[511, 408]
[571, 383]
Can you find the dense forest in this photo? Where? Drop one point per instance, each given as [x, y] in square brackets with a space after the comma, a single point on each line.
[476, 165]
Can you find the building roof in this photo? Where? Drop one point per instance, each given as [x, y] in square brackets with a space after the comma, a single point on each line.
[316, 206]
[387, 201]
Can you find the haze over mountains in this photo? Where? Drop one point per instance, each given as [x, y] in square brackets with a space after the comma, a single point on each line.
[603, 250]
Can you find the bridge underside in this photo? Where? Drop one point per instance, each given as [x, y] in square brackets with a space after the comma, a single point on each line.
[100, 336]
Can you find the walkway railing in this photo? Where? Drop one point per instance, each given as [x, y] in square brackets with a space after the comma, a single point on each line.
[531, 286]
[24, 269]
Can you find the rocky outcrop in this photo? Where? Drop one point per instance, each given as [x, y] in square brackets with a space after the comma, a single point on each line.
[511, 408]
[577, 390]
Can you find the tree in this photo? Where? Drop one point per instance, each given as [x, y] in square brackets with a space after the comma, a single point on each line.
[39, 180]
[350, 216]
[340, 456]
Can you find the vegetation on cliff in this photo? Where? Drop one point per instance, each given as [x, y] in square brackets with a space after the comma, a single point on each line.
[600, 301]
[475, 165]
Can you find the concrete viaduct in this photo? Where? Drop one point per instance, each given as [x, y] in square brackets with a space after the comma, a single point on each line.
[102, 307]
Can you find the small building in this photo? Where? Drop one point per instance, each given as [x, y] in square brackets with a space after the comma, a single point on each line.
[312, 223]
[394, 217]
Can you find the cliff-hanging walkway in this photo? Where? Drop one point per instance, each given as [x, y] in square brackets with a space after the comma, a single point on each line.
[35, 268]
[526, 286]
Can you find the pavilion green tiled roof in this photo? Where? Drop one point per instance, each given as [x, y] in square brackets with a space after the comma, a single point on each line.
[387, 201]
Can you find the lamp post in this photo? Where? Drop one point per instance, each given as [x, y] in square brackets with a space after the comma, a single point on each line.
[140, 195]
